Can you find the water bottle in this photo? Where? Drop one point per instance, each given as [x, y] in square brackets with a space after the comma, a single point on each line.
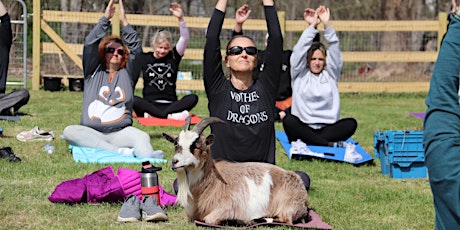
[149, 181]
[48, 148]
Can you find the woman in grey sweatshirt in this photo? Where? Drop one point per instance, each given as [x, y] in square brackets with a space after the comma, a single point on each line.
[106, 119]
[315, 113]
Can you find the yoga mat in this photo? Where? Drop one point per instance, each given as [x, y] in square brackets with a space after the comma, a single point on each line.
[329, 153]
[314, 222]
[101, 156]
[420, 115]
[155, 121]
[10, 118]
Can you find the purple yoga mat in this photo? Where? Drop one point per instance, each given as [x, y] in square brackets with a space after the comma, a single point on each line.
[418, 115]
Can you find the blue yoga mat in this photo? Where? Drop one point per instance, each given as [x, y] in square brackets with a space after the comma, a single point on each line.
[101, 156]
[10, 118]
[330, 153]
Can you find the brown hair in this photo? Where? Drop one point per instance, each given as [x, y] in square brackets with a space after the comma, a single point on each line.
[315, 46]
[105, 42]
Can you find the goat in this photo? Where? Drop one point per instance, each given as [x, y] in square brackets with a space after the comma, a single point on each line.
[214, 191]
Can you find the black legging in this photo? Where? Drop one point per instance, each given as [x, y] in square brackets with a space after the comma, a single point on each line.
[5, 46]
[162, 110]
[326, 136]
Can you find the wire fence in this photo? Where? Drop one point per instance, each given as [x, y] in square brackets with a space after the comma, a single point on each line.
[371, 55]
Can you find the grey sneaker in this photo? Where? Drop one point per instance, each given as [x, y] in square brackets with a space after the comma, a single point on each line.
[151, 211]
[130, 210]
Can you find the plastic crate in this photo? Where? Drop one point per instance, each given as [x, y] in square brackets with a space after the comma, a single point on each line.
[401, 153]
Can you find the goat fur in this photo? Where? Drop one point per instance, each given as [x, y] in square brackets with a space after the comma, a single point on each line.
[215, 191]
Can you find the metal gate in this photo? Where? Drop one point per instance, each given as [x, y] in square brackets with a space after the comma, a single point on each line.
[17, 71]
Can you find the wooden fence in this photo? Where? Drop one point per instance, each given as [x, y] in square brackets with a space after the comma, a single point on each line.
[73, 51]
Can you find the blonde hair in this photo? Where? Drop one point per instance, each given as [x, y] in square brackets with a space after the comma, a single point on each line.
[162, 36]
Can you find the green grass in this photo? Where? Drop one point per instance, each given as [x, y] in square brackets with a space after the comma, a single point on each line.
[345, 196]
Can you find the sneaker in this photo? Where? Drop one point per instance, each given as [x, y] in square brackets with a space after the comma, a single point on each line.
[351, 155]
[35, 134]
[151, 211]
[8, 112]
[299, 147]
[179, 116]
[7, 153]
[130, 210]
[296, 147]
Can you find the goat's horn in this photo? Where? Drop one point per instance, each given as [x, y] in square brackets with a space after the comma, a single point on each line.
[204, 123]
[187, 123]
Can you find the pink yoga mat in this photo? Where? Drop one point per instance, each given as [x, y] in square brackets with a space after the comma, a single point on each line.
[420, 115]
[314, 223]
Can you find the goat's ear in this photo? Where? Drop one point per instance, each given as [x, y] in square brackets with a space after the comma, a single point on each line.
[170, 138]
[210, 139]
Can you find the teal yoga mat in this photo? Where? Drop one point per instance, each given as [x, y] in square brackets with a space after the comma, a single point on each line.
[101, 156]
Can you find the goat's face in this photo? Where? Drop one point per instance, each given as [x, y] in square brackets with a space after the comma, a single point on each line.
[192, 150]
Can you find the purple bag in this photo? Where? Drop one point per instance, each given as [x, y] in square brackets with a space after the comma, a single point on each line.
[104, 186]
[101, 185]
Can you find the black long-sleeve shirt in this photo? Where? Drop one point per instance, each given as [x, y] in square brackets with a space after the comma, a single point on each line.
[249, 132]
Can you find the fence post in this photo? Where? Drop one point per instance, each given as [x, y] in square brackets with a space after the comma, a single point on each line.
[282, 19]
[442, 17]
[116, 20]
[36, 44]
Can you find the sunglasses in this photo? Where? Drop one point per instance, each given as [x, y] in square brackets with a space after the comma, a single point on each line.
[236, 50]
[112, 50]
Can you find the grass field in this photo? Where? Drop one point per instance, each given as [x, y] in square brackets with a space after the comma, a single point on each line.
[345, 196]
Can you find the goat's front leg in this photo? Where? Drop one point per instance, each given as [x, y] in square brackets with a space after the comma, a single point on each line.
[215, 217]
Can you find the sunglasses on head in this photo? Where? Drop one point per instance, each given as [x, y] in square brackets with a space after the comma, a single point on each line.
[236, 50]
[112, 50]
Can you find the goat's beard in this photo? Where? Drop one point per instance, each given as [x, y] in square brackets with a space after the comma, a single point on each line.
[183, 187]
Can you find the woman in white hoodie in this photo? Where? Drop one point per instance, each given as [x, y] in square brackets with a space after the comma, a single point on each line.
[315, 113]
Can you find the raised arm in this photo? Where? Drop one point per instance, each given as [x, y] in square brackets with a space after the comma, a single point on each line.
[334, 58]
[181, 45]
[221, 5]
[274, 49]
[241, 15]
[92, 40]
[212, 57]
[3, 10]
[299, 52]
[131, 38]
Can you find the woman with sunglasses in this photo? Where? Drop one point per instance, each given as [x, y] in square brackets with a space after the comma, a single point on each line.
[245, 104]
[106, 120]
[159, 70]
[315, 111]
[284, 95]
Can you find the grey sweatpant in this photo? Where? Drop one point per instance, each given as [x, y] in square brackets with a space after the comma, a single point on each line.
[129, 137]
[16, 99]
